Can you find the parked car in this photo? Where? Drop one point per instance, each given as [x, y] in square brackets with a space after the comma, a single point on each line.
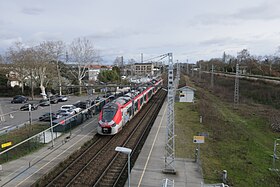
[82, 104]
[46, 116]
[26, 106]
[76, 109]
[44, 102]
[62, 98]
[19, 99]
[66, 112]
[54, 99]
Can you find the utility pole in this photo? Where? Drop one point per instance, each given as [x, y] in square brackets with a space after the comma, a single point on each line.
[2, 116]
[192, 71]
[199, 71]
[142, 58]
[31, 84]
[212, 77]
[170, 139]
[236, 87]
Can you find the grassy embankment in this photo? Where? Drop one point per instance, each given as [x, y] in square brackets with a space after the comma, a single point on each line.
[240, 141]
[17, 136]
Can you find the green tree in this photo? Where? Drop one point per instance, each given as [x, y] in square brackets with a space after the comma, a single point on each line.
[108, 76]
[3, 80]
[117, 70]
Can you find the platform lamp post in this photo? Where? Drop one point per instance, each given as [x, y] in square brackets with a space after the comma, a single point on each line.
[125, 151]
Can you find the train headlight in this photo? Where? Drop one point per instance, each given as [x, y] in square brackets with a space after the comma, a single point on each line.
[113, 125]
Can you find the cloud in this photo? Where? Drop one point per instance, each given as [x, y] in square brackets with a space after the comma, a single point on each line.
[222, 41]
[32, 11]
[9, 41]
[268, 10]
[114, 34]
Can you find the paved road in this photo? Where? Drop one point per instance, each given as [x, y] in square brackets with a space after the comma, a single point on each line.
[14, 117]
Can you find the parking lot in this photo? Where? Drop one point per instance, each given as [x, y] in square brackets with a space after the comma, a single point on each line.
[13, 117]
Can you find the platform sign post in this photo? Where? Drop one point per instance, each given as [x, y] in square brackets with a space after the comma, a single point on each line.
[7, 144]
[198, 140]
[1, 170]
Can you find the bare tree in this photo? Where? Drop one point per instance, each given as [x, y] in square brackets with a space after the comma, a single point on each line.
[56, 51]
[119, 61]
[1, 59]
[18, 57]
[276, 60]
[43, 67]
[243, 55]
[131, 61]
[83, 54]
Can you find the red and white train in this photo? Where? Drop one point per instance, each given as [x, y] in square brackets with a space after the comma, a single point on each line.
[117, 113]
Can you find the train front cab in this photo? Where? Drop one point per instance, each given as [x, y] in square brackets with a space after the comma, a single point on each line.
[110, 120]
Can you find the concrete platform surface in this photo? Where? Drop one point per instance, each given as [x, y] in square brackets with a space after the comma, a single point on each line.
[147, 171]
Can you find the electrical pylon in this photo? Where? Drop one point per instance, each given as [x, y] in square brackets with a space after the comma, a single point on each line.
[236, 87]
[170, 138]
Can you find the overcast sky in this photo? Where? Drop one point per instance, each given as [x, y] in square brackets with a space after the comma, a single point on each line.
[190, 29]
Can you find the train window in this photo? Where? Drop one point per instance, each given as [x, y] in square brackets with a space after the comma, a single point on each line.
[135, 107]
[108, 114]
[150, 93]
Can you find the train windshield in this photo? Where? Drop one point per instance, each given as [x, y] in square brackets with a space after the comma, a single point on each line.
[108, 114]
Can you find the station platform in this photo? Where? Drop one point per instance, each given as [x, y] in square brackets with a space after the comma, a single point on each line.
[147, 171]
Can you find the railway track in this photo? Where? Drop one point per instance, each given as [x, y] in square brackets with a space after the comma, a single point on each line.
[266, 79]
[100, 164]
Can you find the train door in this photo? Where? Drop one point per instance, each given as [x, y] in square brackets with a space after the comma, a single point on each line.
[130, 112]
[138, 103]
[136, 107]
[125, 116]
[141, 101]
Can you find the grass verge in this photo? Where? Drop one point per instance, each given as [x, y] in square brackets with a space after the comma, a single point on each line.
[17, 136]
[240, 141]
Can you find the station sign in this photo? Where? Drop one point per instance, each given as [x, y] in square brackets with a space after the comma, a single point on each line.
[6, 144]
[198, 139]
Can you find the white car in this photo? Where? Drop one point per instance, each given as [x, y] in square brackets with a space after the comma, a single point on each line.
[66, 112]
[67, 107]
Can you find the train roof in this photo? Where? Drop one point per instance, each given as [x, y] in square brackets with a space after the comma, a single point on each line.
[134, 93]
[122, 100]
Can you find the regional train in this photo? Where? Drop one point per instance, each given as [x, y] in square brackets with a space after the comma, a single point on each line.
[117, 113]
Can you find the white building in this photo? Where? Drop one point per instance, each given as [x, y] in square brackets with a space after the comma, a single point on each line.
[94, 70]
[186, 94]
